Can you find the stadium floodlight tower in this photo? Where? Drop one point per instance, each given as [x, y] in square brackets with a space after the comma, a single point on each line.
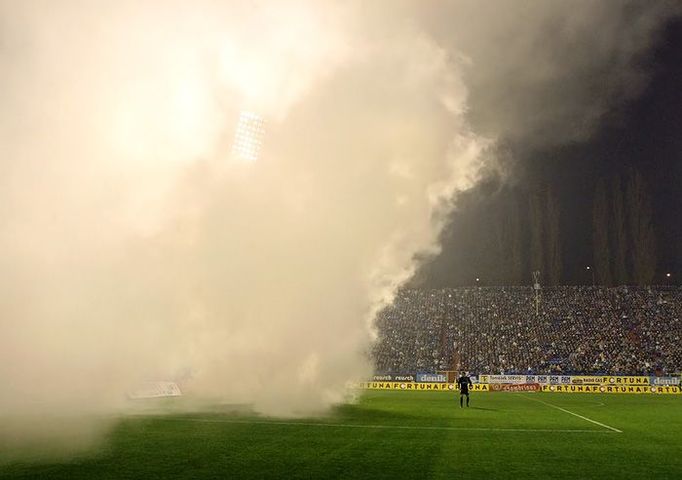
[248, 136]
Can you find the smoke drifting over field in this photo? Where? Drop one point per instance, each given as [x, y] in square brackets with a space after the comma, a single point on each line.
[135, 246]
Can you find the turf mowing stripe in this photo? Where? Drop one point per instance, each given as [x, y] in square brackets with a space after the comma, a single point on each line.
[388, 427]
[575, 414]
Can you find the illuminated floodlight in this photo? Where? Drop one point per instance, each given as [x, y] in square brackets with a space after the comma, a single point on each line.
[248, 137]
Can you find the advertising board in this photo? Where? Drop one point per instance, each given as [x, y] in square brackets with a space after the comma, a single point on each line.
[431, 378]
[514, 387]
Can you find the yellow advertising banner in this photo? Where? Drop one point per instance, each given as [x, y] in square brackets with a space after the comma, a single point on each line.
[641, 389]
[609, 380]
[588, 380]
[484, 387]
[628, 380]
[421, 387]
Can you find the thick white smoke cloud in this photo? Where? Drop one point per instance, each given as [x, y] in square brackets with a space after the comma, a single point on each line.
[134, 246]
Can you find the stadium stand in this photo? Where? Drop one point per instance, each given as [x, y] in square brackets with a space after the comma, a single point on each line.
[578, 330]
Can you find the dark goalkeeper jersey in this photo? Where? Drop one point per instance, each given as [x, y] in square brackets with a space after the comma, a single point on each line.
[463, 383]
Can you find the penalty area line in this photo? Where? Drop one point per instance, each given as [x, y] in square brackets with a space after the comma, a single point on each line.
[383, 427]
[575, 414]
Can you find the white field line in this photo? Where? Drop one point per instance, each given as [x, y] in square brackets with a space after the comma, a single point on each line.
[383, 427]
[575, 414]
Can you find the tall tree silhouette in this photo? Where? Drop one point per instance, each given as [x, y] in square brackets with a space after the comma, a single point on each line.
[552, 238]
[509, 244]
[618, 234]
[600, 235]
[641, 227]
[515, 243]
[537, 232]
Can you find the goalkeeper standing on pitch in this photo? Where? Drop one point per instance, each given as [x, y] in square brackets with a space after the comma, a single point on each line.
[463, 383]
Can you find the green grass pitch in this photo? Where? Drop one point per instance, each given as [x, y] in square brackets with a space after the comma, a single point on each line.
[394, 434]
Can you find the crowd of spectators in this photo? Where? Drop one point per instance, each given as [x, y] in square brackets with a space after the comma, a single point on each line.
[567, 330]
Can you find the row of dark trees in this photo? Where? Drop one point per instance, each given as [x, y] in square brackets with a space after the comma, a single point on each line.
[623, 237]
[527, 244]
[545, 244]
[500, 238]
